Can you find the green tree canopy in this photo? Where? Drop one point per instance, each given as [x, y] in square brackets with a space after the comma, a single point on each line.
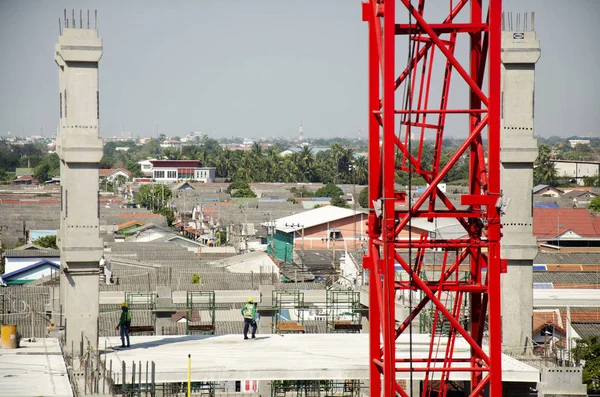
[243, 193]
[363, 198]
[153, 196]
[236, 185]
[588, 351]
[329, 190]
[544, 171]
[46, 242]
[595, 204]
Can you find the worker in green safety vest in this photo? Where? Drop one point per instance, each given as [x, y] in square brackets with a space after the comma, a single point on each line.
[249, 313]
[124, 323]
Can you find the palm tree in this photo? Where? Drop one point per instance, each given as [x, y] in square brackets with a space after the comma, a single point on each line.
[362, 170]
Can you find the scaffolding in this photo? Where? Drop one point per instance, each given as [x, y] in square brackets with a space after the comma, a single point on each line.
[202, 303]
[342, 311]
[288, 308]
[142, 301]
[317, 388]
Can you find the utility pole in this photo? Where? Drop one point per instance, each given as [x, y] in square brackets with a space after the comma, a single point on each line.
[294, 225]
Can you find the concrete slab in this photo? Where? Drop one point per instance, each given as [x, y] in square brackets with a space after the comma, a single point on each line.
[35, 369]
[275, 357]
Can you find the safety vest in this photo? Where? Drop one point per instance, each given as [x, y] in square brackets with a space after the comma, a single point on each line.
[249, 310]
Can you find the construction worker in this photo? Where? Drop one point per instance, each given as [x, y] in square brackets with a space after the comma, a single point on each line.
[124, 323]
[249, 313]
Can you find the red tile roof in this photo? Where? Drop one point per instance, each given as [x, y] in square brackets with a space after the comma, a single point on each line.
[175, 163]
[130, 223]
[108, 171]
[552, 222]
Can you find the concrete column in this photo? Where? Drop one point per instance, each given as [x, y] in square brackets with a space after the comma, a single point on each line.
[164, 301]
[520, 52]
[264, 388]
[80, 150]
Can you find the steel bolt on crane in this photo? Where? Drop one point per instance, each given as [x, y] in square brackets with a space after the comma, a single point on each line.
[393, 151]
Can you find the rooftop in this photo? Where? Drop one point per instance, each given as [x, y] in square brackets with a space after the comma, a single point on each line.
[311, 218]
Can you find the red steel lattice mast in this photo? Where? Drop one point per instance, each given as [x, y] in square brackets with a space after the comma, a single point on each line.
[397, 135]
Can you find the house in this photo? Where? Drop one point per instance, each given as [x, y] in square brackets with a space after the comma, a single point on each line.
[171, 143]
[251, 262]
[146, 167]
[566, 228]
[126, 227]
[25, 180]
[149, 232]
[30, 273]
[16, 259]
[325, 227]
[183, 186]
[112, 174]
[173, 170]
[575, 171]
[546, 191]
[579, 198]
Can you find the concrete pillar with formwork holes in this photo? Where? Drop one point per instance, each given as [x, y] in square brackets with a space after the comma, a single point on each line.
[80, 150]
[518, 151]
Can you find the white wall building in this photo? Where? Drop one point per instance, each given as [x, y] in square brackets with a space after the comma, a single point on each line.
[576, 170]
[168, 171]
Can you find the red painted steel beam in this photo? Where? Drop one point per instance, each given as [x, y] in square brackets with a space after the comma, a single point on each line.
[479, 249]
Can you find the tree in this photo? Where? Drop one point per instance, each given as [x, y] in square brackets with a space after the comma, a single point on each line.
[544, 171]
[301, 191]
[244, 193]
[363, 198]
[46, 242]
[595, 205]
[588, 351]
[153, 196]
[329, 190]
[195, 279]
[169, 214]
[235, 185]
[339, 202]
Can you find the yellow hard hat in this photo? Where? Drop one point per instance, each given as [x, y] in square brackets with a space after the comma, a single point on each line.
[124, 304]
[251, 299]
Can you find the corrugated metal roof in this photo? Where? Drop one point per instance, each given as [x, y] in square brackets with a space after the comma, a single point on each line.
[567, 277]
[586, 330]
[583, 258]
[32, 253]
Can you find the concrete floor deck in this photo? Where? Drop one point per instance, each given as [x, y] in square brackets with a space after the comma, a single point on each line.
[275, 357]
[35, 369]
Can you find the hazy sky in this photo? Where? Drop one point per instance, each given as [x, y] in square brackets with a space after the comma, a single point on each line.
[257, 68]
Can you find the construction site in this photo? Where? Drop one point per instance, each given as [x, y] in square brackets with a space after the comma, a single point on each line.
[428, 294]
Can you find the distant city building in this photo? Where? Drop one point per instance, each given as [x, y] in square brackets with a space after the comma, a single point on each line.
[171, 143]
[173, 170]
[575, 142]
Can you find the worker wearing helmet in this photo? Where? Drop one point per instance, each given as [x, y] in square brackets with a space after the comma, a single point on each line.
[249, 313]
[124, 323]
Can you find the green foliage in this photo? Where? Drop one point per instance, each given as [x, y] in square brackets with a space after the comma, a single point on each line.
[591, 181]
[169, 214]
[292, 200]
[235, 185]
[301, 191]
[588, 351]
[153, 196]
[47, 168]
[329, 190]
[243, 193]
[363, 198]
[46, 242]
[544, 172]
[4, 176]
[595, 204]
[195, 279]
[339, 202]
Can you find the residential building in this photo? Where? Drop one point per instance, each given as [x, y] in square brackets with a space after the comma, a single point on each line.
[30, 273]
[111, 174]
[546, 191]
[321, 228]
[146, 166]
[567, 229]
[16, 259]
[575, 142]
[173, 170]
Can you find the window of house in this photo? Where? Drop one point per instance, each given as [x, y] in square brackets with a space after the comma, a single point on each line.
[335, 234]
[159, 174]
[172, 174]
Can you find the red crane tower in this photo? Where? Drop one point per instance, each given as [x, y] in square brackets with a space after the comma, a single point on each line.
[397, 136]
